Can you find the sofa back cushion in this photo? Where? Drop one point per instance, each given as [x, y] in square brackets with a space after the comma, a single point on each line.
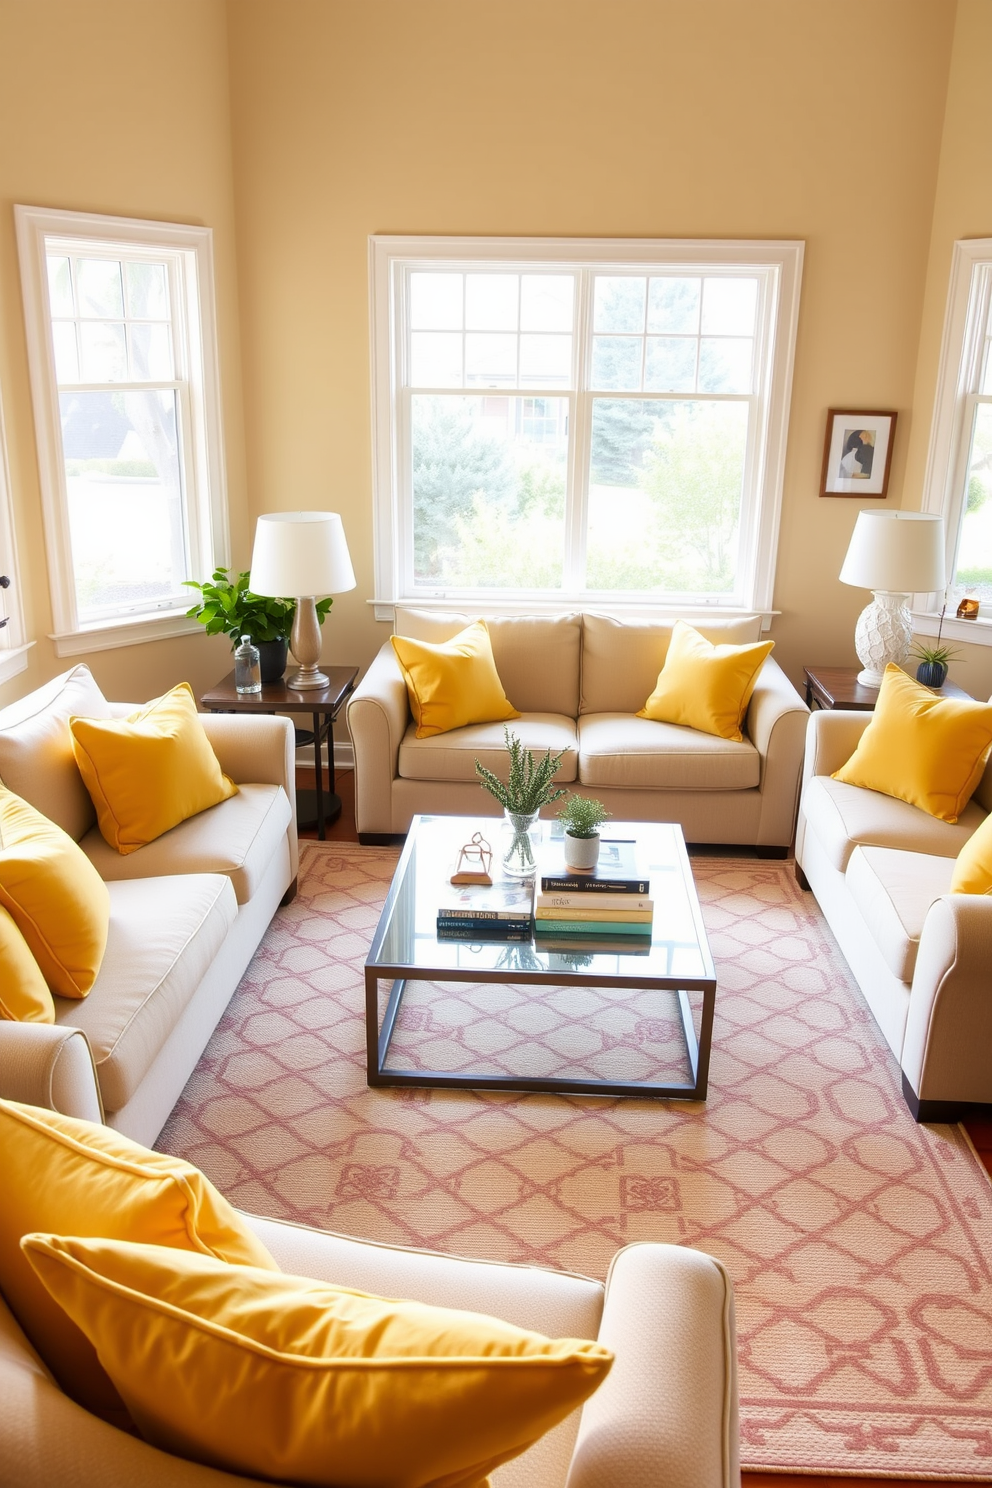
[536, 656]
[621, 659]
[36, 759]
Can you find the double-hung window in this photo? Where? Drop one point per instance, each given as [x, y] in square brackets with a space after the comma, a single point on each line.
[122, 347]
[958, 481]
[570, 421]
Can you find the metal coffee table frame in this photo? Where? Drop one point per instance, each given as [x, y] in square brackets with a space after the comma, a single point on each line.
[380, 967]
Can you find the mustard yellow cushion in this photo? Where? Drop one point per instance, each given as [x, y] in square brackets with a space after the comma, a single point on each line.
[703, 686]
[60, 1174]
[24, 994]
[454, 683]
[281, 1377]
[149, 771]
[55, 896]
[920, 748]
[973, 866]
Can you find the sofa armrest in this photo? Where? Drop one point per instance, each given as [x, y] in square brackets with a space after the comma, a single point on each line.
[378, 714]
[44, 1065]
[949, 1025]
[667, 1412]
[832, 736]
[776, 725]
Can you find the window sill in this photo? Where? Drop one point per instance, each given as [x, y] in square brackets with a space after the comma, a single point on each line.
[129, 633]
[14, 661]
[976, 632]
[385, 609]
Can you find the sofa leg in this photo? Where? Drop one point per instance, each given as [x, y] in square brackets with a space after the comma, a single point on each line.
[934, 1110]
[772, 852]
[802, 880]
[290, 894]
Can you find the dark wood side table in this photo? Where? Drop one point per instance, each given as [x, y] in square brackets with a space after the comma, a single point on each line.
[838, 687]
[323, 704]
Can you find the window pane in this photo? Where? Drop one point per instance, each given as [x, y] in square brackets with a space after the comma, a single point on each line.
[151, 353]
[98, 281]
[147, 291]
[616, 363]
[101, 346]
[436, 302]
[665, 497]
[125, 498]
[490, 360]
[974, 560]
[491, 302]
[66, 353]
[546, 361]
[59, 285]
[670, 364]
[729, 306]
[725, 365]
[435, 359]
[489, 491]
[619, 303]
[673, 305]
[546, 302]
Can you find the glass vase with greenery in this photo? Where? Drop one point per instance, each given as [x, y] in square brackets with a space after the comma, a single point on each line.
[529, 786]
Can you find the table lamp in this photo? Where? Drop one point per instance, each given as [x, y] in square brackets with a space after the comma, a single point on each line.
[895, 554]
[302, 554]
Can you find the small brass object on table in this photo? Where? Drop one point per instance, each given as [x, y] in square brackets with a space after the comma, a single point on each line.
[474, 862]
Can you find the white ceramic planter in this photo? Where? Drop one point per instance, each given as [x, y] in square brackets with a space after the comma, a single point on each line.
[581, 853]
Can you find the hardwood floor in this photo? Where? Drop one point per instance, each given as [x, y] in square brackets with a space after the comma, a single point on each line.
[980, 1132]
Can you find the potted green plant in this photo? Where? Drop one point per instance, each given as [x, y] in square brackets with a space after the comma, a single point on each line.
[932, 670]
[582, 817]
[228, 607]
[529, 786]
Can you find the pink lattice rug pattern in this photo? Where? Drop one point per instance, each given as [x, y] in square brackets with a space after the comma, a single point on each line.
[860, 1244]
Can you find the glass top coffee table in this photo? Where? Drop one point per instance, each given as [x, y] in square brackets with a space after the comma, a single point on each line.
[550, 1013]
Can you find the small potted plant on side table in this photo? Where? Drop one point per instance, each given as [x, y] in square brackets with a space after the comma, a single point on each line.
[582, 817]
[529, 787]
[228, 607]
[932, 670]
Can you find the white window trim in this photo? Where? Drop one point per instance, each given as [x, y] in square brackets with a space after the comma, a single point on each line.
[13, 648]
[195, 244]
[944, 479]
[387, 255]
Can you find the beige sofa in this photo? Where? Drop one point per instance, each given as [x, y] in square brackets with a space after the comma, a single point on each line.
[186, 912]
[578, 680]
[881, 872]
[666, 1415]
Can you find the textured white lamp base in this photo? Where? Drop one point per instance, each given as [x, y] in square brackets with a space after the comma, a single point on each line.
[884, 633]
[304, 642]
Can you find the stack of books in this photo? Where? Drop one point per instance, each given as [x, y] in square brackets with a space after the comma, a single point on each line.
[486, 912]
[614, 900]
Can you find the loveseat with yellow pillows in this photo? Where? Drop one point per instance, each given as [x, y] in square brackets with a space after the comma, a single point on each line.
[151, 1335]
[895, 840]
[143, 852]
[659, 719]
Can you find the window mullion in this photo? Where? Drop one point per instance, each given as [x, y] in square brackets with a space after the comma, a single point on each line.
[580, 440]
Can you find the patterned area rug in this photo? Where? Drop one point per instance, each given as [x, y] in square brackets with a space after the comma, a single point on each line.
[860, 1244]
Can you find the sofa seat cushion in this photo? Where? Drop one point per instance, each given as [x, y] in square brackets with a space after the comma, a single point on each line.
[164, 933]
[238, 837]
[844, 816]
[452, 756]
[893, 891]
[617, 749]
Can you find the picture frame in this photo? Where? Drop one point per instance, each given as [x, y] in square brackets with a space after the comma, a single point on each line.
[857, 453]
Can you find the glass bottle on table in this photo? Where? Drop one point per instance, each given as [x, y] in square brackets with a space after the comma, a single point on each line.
[247, 668]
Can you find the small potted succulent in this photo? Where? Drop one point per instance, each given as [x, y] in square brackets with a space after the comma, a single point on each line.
[582, 817]
[932, 670]
[529, 786]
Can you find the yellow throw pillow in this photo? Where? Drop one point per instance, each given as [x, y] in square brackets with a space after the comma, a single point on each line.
[453, 684]
[281, 1377]
[24, 994]
[148, 772]
[55, 896]
[921, 748]
[973, 866]
[75, 1177]
[703, 686]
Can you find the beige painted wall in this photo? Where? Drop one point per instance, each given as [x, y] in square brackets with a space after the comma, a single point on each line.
[118, 107]
[775, 118]
[962, 209]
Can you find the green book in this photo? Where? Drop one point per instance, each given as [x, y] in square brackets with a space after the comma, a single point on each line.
[593, 927]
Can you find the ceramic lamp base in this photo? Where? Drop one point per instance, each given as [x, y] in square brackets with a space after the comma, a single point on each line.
[884, 634]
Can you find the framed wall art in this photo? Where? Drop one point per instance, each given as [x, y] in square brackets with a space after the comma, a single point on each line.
[857, 453]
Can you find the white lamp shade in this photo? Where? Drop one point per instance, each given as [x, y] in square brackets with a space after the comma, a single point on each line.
[898, 551]
[300, 553]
